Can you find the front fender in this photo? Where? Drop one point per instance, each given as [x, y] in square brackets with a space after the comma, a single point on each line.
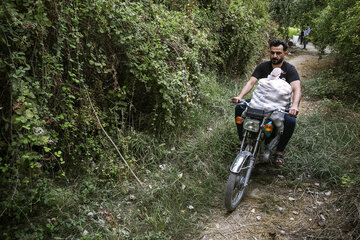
[239, 161]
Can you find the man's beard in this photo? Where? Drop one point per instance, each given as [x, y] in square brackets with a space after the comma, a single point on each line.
[277, 61]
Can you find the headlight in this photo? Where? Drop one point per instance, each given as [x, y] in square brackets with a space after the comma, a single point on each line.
[252, 125]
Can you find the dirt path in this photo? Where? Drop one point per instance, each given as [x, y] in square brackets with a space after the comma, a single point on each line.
[275, 207]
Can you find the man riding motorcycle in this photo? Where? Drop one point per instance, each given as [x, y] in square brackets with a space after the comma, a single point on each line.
[278, 52]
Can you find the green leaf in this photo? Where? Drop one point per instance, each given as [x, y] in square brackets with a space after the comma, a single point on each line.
[20, 119]
[58, 154]
[29, 114]
[26, 127]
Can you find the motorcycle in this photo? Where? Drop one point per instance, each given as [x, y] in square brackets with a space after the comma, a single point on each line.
[262, 130]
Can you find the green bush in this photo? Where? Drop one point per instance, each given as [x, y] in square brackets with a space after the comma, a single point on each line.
[330, 85]
[326, 85]
[149, 68]
[337, 28]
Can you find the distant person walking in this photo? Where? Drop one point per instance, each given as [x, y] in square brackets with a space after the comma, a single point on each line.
[306, 33]
[301, 37]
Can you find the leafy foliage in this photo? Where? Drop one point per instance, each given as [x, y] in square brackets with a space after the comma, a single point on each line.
[338, 28]
[282, 12]
[146, 65]
[298, 13]
[245, 21]
[335, 25]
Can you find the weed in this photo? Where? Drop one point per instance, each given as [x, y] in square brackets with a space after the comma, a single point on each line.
[324, 147]
[330, 85]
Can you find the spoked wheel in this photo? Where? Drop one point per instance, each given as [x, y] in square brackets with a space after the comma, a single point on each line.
[235, 187]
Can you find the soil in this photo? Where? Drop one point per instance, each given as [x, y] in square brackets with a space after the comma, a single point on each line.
[276, 207]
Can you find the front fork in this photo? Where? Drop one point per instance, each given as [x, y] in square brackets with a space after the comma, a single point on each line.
[250, 152]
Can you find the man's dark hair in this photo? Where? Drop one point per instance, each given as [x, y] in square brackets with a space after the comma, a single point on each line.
[277, 42]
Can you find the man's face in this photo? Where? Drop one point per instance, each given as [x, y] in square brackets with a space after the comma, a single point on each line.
[277, 54]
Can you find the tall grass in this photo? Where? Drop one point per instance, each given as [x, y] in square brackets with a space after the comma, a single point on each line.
[329, 84]
[190, 179]
[188, 175]
[183, 174]
[326, 142]
[190, 184]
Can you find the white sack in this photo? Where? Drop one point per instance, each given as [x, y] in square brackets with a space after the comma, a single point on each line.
[272, 93]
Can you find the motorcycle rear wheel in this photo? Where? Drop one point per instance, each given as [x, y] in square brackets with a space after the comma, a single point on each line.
[235, 187]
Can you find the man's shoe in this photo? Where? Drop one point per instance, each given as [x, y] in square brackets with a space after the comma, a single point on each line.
[279, 159]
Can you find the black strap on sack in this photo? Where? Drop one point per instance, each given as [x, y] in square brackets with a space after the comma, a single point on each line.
[255, 113]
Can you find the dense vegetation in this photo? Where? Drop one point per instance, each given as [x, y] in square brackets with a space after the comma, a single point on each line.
[154, 76]
[335, 25]
[143, 67]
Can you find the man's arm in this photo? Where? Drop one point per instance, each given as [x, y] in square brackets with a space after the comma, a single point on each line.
[245, 90]
[296, 91]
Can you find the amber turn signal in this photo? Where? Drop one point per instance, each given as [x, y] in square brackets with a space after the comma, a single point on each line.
[239, 120]
[268, 127]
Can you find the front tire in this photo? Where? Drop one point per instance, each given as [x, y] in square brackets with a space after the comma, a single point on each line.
[235, 187]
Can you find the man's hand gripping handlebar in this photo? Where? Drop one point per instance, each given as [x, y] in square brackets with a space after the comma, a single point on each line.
[236, 100]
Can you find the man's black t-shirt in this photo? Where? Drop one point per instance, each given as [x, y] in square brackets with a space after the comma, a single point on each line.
[289, 72]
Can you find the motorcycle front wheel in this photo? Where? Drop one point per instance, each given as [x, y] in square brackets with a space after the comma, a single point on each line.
[235, 187]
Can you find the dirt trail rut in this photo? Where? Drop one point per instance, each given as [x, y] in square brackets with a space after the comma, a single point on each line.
[276, 208]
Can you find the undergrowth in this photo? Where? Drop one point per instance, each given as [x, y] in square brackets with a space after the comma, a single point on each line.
[139, 71]
[325, 149]
[330, 84]
[325, 144]
[152, 70]
[183, 176]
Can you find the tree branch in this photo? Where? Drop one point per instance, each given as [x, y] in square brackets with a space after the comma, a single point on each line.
[112, 142]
